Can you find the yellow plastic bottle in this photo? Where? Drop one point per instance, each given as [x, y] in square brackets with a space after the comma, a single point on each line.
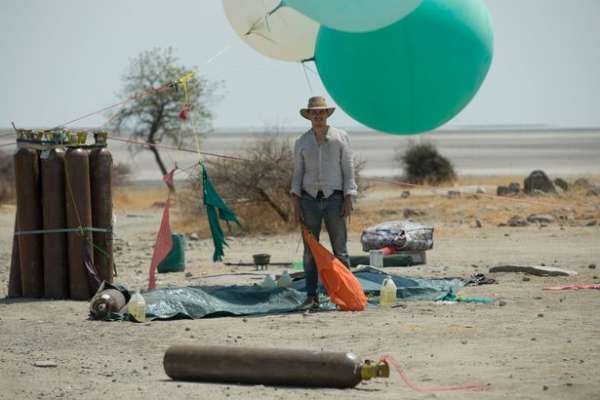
[387, 293]
[137, 307]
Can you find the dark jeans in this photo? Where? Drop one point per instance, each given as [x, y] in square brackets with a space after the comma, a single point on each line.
[314, 212]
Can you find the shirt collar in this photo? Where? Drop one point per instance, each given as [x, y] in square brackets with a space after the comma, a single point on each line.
[327, 134]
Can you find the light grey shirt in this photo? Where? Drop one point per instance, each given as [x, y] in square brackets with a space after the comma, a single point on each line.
[326, 167]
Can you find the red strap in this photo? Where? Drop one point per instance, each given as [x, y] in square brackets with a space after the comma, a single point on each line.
[573, 287]
[391, 361]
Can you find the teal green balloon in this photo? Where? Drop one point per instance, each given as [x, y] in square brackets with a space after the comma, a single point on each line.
[354, 15]
[414, 75]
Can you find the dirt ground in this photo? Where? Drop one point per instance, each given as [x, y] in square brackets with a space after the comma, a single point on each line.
[528, 344]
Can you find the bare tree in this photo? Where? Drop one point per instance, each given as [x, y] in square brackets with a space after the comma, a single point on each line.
[159, 109]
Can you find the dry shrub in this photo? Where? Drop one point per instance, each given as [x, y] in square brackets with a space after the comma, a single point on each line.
[7, 178]
[422, 163]
[258, 187]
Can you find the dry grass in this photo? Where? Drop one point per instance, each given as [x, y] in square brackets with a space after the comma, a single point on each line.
[382, 202]
[134, 197]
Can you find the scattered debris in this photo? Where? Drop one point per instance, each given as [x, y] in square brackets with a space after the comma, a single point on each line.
[593, 192]
[405, 194]
[45, 364]
[512, 189]
[194, 237]
[583, 183]
[533, 270]
[561, 183]
[538, 180]
[479, 279]
[413, 212]
[453, 194]
[517, 220]
[541, 219]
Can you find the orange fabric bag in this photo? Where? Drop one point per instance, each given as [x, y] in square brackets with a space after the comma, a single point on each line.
[342, 286]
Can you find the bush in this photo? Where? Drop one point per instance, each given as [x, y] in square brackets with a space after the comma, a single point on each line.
[7, 178]
[422, 163]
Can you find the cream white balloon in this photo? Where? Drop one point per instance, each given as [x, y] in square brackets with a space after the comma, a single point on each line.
[286, 34]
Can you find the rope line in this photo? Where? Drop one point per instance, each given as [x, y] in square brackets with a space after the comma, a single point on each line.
[475, 388]
[63, 230]
[177, 148]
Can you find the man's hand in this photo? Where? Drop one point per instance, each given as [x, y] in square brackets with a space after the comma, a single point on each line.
[347, 208]
[297, 209]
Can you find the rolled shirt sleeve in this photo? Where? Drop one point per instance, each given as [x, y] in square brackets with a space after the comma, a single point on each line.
[298, 173]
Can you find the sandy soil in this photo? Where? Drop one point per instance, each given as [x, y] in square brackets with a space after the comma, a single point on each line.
[534, 344]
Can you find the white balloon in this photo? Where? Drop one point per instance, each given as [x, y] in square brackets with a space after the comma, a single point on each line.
[284, 35]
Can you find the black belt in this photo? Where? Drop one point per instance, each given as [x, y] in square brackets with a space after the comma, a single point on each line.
[320, 194]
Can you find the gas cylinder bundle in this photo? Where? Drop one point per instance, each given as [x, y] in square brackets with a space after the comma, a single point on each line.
[62, 246]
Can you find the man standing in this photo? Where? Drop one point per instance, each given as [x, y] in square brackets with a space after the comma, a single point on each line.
[322, 187]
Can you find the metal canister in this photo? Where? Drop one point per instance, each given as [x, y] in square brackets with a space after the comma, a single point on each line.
[265, 366]
[78, 200]
[29, 218]
[56, 267]
[101, 164]
[106, 302]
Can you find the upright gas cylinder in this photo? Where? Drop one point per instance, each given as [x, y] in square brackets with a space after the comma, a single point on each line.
[78, 200]
[269, 366]
[15, 288]
[101, 164]
[29, 217]
[56, 266]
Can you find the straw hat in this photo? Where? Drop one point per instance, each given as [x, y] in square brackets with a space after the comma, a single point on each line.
[316, 103]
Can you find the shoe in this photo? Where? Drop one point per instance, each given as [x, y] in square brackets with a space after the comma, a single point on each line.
[310, 304]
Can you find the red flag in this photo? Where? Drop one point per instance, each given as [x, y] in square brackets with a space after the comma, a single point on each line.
[163, 244]
[342, 286]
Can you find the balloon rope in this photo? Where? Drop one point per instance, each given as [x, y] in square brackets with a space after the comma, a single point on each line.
[310, 88]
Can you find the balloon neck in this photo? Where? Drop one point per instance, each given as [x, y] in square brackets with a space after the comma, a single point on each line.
[281, 4]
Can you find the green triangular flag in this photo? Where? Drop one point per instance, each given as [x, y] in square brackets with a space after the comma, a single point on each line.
[214, 202]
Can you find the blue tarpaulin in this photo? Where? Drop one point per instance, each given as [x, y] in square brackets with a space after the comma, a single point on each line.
[213, 301]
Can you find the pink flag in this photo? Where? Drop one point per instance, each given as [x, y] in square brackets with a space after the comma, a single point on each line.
[163, 243]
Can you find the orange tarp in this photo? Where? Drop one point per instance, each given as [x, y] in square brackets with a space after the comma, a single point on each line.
[342, 286]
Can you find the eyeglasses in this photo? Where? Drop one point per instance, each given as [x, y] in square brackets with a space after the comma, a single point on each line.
[318, 112]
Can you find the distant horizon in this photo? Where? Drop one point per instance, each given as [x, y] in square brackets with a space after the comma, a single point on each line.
[361, 129]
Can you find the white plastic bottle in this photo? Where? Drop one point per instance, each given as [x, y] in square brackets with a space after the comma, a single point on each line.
[285, 280]
[137, 307]
[387, 293]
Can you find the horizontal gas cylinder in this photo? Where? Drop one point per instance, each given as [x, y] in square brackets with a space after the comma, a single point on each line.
[267, 366]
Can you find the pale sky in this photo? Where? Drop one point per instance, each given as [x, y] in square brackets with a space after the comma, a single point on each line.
[65, 58]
